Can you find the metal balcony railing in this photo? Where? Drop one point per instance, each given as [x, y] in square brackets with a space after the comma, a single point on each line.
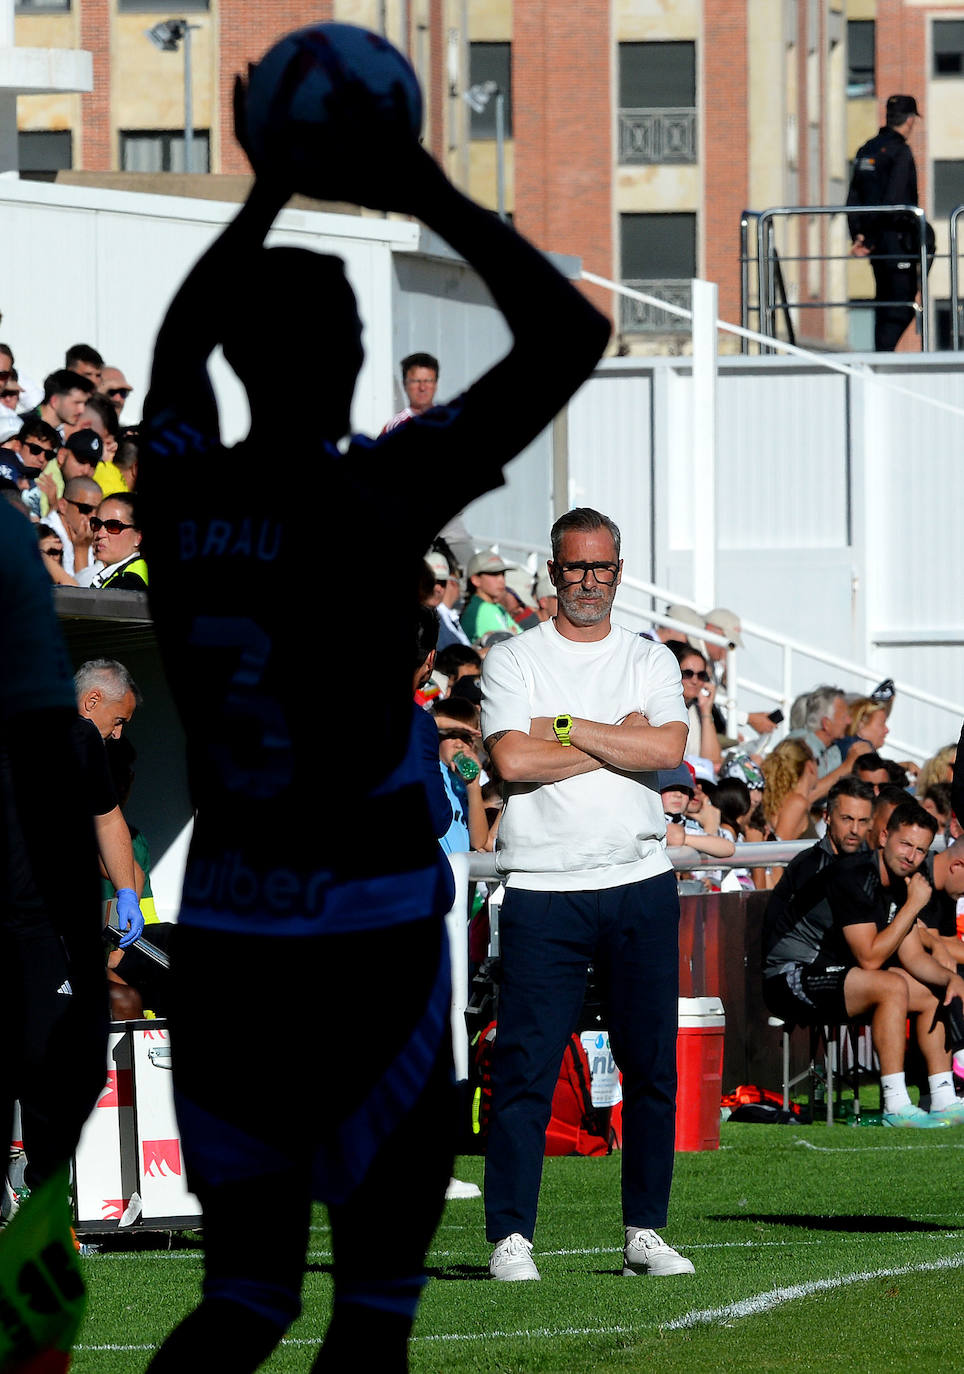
[762, 260]
[638, 317]
[657, 135]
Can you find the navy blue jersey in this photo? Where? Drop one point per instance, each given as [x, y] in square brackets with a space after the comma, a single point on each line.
[258, 614]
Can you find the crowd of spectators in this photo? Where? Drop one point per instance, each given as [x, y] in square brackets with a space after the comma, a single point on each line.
[746, 787]
[69, 464]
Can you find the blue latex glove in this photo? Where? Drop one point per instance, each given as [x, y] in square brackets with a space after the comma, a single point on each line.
[129, 916]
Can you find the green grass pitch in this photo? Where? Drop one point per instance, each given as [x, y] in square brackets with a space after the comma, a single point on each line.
[815, 1249]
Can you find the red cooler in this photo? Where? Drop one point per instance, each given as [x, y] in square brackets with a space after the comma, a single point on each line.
[699, 1064]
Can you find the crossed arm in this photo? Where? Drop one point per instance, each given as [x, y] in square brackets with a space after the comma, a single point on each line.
[632, 746]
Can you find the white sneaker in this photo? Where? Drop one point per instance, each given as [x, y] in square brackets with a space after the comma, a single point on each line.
[458, 1188]
[512, 1259]
[647, 1253]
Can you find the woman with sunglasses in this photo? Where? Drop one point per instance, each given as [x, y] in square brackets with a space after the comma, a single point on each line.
[699, 693]
[117, 544]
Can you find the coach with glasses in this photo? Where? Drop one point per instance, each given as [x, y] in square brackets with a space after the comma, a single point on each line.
[577, 715]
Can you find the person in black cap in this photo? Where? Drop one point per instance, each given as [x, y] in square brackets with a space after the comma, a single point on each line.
[885, 174]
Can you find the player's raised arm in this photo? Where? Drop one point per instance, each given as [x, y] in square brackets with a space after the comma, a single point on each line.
[557, 334]
[210, 296]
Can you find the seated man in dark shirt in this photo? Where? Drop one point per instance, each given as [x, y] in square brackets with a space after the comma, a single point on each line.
[798, 921]
[876, 900]
[818, 966]
[938, 921]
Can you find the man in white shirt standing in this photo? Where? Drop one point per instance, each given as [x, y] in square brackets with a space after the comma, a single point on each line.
[577, 715]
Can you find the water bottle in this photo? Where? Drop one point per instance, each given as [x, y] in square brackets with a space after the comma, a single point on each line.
[467, 768]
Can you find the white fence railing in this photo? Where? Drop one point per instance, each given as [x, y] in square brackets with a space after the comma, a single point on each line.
[629, 604]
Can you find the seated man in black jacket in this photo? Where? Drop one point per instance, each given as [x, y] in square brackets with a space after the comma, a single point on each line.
[830, 928]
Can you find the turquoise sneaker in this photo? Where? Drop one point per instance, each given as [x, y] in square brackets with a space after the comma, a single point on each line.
[954, 1112]
[909, 1115]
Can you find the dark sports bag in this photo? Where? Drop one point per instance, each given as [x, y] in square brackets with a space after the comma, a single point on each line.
[750, 1103]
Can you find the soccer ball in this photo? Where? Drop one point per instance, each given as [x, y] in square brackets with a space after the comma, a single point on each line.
[305, 92]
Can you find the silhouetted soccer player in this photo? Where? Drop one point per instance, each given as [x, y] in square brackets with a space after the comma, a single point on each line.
[336, 1088]
[53, 995]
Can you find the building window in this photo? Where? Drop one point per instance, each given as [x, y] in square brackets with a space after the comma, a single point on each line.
[861, 58]
[657, 102]
[658, 255]
[41, 154]
[41, 6]
[948, 186]
[162, 150]
[490, 62]
[948, 46]
[657, 75]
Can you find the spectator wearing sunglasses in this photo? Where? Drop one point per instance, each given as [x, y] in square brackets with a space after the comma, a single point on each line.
[699, 693]
[27, 456]
[115, 386]
[117, 545]
[31, 394]
[77, 457]
[10, 421]
[71, 521]
[10, 394]
[50, 543]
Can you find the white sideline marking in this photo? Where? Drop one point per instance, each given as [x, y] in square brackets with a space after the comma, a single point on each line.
[835, 1239]
[872, 1149]
[115, 1347]
[747, 1307]
[764, 1302]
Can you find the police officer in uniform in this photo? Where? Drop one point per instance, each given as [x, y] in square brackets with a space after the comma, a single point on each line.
[885, 174]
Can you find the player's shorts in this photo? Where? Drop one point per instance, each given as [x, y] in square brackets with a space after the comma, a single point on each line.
[315, 1055]
[808, 994]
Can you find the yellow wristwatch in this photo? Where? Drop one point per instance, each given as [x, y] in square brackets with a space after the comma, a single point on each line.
[561, 727]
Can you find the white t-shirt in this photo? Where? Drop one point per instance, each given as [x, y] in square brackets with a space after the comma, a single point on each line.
[600, 829]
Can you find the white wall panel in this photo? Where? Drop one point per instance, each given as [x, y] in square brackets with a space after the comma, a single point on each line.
[522, 509]
[442, 308]
[915, 552]
[610, 458]
[101, 266]
[782, 475]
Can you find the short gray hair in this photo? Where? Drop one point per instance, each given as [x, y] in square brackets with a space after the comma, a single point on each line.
[585, 520]
[819, 704]
[108, 676]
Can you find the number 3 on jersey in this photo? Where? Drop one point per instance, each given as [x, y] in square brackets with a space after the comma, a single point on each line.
[250, 744]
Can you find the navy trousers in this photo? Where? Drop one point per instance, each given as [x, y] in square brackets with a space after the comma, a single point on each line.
[630, 935]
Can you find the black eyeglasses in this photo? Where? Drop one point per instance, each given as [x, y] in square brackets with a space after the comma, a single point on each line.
[38, 450]
[701, 676]
[85, 507]
[604, 573]
[53, 553]
[4, 374]
[111, 526]
[9, 391]
[124, 391]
